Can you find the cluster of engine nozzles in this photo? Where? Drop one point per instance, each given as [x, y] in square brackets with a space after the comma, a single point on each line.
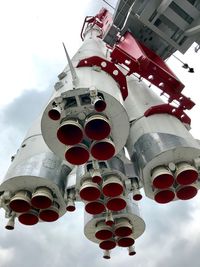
[100, 195]
[34, 207]
[84, 138]
[120, 233]
[179, 183]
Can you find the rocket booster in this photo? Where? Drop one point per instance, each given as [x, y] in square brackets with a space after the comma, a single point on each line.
[102, 137]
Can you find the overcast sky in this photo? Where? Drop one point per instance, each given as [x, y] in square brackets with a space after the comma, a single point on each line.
[31, 57]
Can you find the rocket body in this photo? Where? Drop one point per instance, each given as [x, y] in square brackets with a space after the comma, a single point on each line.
[103, 135]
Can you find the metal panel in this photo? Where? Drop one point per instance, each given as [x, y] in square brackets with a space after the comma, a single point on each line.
[176, 19]
[143, 16]
[190, 9]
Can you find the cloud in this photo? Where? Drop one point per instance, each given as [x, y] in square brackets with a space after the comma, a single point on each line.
[63, 243]
[23, 110]
[16, 118]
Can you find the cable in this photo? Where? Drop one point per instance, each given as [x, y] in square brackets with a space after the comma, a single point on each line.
[120, 12]
[108, 4]
[127, 16]
[185, 65]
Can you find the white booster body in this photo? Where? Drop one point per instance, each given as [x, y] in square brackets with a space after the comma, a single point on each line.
[77, 101]
[161, 148]
[35, 175]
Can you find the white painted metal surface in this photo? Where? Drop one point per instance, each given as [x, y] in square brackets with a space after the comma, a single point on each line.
[157, 140]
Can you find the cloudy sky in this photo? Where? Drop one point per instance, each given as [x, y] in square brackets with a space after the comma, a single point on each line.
[31, 57]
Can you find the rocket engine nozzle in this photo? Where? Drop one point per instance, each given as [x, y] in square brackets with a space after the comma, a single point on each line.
[55, 113]
[131, 251]
[162, 177]
[70, 132]
[108, 244]
[109, 219]
[112, 186]
[95, 207]
[137, 196]
[42, 198]
[116, 203]
[99, 104]
[103, 231]
[186, 174]
[11, 223]
[50, 214]
[77, 154]
[164, 196]
[70, 205]
[106, 254]
[96, 176]
[29, 218]
[21, 201]
[123, 228]
[103, 150]
[127, 241]
[90, 191]
[185, 192]
[97, 127]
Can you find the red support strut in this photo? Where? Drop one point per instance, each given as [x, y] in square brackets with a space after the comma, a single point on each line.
[140, 59]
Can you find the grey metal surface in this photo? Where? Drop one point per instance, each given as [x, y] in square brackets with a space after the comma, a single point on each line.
[116, 164]
[162, 25]
[150, 145]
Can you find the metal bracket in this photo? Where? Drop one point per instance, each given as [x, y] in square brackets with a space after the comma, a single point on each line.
[166, 108]
[108, 67]
[140, 59]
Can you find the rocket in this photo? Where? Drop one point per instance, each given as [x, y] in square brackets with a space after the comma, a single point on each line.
[103, 136]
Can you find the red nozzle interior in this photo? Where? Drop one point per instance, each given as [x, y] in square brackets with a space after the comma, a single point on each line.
[125, 242]
[112, 189]
[97, 179]
[103, 150]
[97, 128]
[77, 155]
[49, 215]
[20, 205]
[28, 218]
[95, 207]
[123, 231]
[163, 181]
[187, 177]
[100, 105]
[54, 114]
[186, 192]
[90, 193]
[70, 133]
[110, 222]
[116, 204]
[164, 196]
[107, 244]
[41, 202]
[104, 234]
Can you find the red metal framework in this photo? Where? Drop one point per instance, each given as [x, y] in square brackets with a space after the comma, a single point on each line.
[103, 20]
[108, 67]
[138, 58]
[166, 108]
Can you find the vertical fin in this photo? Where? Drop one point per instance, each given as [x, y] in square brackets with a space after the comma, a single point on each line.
[72, 69]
